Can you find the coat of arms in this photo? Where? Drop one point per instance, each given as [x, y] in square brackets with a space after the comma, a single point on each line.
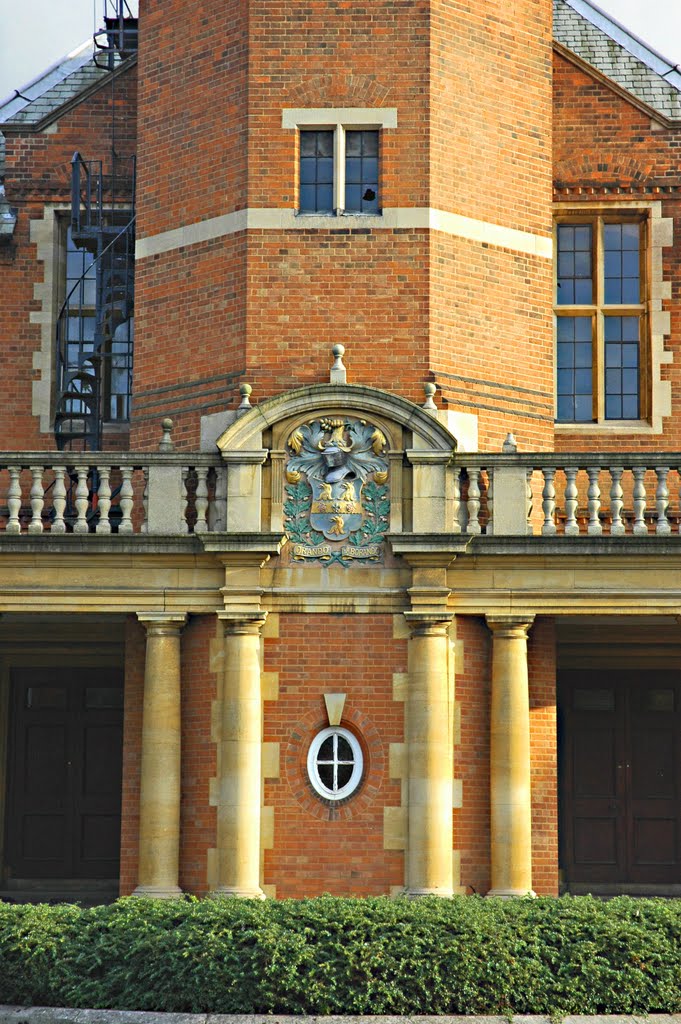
[336, 476]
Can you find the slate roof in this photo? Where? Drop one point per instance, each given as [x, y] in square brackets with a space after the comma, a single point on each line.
[52, 89]
[608, 47]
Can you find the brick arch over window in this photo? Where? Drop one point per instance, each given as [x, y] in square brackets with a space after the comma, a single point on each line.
[428, 432]
[344, 89]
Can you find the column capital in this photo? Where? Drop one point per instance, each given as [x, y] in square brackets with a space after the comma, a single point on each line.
[511, 627]
[235, 623]
[162, 623]
[429, 623]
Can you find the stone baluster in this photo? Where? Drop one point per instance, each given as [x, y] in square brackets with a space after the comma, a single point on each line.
[126, 500]
[530, 500]
[184, 527]
[456, 502]
[145, 502]
[82, 499]
[217, 512]
[14, 500]
[58, 501]
[510, 788]
[159, 828]
[473, 499]
[37, 500]
[640, 528]
[594, 528]
[571, 524]
[662, 526]
[491, 474]
[549, 502]
[201, 500]
[617, 527]
[104, 499]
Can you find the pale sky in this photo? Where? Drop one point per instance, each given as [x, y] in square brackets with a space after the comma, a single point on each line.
[36, 33]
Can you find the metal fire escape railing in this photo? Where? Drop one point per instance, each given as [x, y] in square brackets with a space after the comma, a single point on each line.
[118, 39]
[94, 353]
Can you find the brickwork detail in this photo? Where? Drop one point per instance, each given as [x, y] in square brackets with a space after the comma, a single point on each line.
[318, 847]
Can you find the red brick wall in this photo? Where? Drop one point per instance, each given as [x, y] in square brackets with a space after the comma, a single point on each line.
[491, 340]
[199, 753]
[471, 756]
[320, 848]
[472, 91]
[490, 89]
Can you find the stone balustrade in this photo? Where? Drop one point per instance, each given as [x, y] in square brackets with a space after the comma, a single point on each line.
[110, 493]
[569, 494]
[511, 494]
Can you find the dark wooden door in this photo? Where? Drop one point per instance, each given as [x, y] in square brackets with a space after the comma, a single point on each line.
[65, 756]
[620, 777]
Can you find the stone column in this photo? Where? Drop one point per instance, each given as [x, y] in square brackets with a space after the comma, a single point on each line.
[510, 791]
[159, 830]
[239, 759]
[429, 757]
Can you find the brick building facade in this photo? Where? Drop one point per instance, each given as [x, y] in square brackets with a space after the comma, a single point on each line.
[391, 604]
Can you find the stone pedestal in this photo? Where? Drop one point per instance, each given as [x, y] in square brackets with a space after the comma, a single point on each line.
[510, 791]
[159, 829]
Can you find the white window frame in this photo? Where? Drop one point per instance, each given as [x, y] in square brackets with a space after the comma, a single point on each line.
[313, 770]
[339, 120]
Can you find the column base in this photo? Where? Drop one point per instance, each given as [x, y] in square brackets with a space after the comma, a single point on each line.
[414, 893]
[158, 892]
[513, 894]
[228, 890]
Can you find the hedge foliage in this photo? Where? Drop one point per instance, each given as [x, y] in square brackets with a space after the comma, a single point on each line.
[372, 956]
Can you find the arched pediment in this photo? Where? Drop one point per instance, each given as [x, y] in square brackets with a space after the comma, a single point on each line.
[247, 431]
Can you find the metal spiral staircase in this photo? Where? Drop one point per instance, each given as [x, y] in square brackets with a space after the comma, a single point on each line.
[94, 344]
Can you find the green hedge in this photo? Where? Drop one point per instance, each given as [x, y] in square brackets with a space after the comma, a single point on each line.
[328, 955]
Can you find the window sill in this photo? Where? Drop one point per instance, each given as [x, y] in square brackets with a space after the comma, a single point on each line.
[611, 427]
[339, 214]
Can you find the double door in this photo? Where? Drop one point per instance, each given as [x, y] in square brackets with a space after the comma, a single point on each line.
[65, 759]
[620, 777]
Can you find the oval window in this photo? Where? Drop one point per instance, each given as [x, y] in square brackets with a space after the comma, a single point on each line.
[335, 763]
